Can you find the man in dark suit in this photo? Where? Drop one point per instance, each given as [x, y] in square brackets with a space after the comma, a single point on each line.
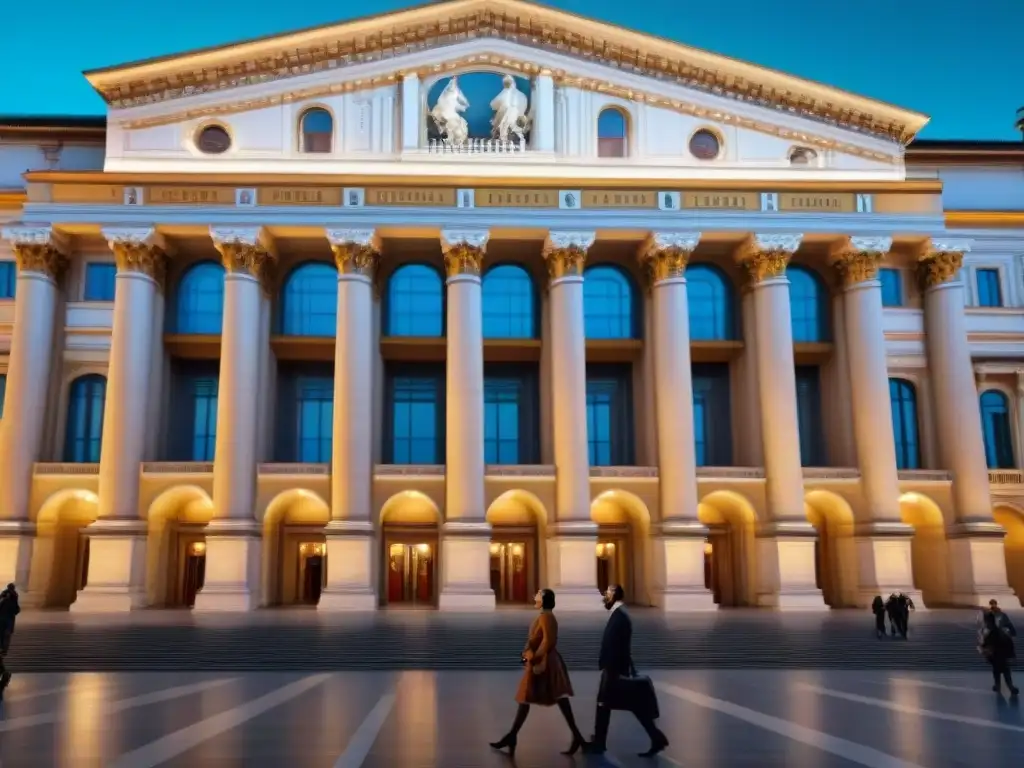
[616, 662]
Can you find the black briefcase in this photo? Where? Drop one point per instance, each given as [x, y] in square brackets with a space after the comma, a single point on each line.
[632, 694]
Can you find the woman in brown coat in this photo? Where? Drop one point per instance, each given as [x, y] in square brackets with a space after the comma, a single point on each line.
[545, 680]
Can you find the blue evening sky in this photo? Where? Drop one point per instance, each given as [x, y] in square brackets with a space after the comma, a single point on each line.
[957, 61]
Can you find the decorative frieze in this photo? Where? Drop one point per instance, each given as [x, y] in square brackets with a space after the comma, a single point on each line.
[38, 249]
[766, 256]
[565, 253]
[857, 260]
[464, 251]
[356, 251]
[138, 249]
[941, 262]
[245, 251]
[664, 255]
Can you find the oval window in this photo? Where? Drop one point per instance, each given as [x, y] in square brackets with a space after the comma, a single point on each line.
[802, 156]
[704, 145]
[213, 140]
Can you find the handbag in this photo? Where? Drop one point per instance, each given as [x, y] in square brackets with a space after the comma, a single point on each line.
[633, 693]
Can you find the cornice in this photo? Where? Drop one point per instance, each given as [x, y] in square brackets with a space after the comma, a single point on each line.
[338, 46]
[985, 219]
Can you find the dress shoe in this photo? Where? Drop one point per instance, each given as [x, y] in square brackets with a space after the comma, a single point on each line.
[509, 742]
[657, 746]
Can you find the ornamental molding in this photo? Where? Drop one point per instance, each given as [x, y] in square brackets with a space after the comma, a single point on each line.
[939, 268]
[19, 235]
[366, 238]
[664, 255]
[471, 238]
[464, 251]
[787, 242]
[880, 244]
[41, 250]
[858, 259]
[766, 256]
[247, 251]
[947, 245]
[147, 236]
[574, 239]
[251, 236]
[356, 251]
[565, 253]
[657, 242]
[138, 249]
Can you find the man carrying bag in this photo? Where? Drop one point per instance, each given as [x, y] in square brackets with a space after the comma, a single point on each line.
[621, 688]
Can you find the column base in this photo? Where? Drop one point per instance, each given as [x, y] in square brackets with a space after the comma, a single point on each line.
[978, 565]
[350, 567]
[884, 563]
[232, 580]
[17, 539]
[116, 580]
[786, 567]
[679, 558]
[572, 566]
[466, 567]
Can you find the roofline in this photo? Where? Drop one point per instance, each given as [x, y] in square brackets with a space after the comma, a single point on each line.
[966, 151]
[51, 128]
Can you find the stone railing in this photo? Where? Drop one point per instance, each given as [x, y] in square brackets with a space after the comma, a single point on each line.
[519, 470]
[730, 473]
[1006, 477]
[177, 468]
[65, 468]
[831, 473]
[925, 475]
[407, 470]
[624, 473]
[294, 468]
[476, 147]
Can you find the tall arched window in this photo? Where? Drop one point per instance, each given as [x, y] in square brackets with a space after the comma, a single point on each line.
[200, 302]
[508, 303]
[309, 300]
[609, 304]
[995, 425]
[808, 302]
[83, 432]
[903, 399]
[317, 130]
[612, 133]
[710, 296]
[415, 302]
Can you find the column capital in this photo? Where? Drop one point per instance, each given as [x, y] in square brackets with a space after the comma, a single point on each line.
[940, 261]
[766, 256]
[138, 249]
[566, 252]
[246, 250]
[664, 255]
[464, 251]
[356, 251]
[857, 259]
[38, 249]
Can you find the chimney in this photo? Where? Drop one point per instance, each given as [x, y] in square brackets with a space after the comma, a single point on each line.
[1020, 122]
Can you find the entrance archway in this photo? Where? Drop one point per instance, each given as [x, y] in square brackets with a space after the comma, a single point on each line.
[409, 525]
[623, 543]
[60, 562]
[176, 546]
[729, 551]
[1012, 520]
[835, 550]
[517, 521]
[294, 548]
[929, 551]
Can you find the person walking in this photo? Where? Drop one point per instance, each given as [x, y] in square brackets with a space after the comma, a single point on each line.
[998, 649]
[9, 610]
[906, 605]
[878, 608]
[1002, 620]
[891, 610]
[616, 664]
[545, 680]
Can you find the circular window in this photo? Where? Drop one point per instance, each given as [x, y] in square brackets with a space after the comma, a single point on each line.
[704, 145]
[213, 140]
[802, 156]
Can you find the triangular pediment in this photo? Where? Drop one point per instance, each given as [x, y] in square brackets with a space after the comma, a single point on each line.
[533, 29]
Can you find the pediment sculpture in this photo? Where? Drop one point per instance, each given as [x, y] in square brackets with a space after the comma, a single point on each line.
[447, 114]
[510, 116]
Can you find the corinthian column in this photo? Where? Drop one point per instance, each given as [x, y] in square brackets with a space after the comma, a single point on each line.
[40, 254]
[679, 550]
[233, 536]
[786, 539]
[572, 550]
[978, 568]
[117, 540]
[466, 540]
[350, 542]
[883, 540]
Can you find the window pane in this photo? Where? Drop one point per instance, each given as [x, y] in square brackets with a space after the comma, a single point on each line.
[204, 423]
[608, 306]
[903, 399]
[609, 416]
[317, 129]
[416, 420]
[808, 306]
[415, 302]
[710, 300]
[502, 420]
[508, 304]
[989, 292]
[808, 403]
[8, 279]
[611, 133]
[99, 282]
[200, 301]
[712, 415]
[995, 423]
[84, 428]
[892, 287]
[309, 301]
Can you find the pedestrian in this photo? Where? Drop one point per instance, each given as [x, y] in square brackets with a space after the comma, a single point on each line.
[1002, 620]
[906, 605]
[891, 610]
[9, 610]
[878, 608]
[998, 649]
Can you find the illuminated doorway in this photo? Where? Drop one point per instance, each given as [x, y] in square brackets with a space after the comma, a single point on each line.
[410, 574]
[312, 571]
[510, 577]
[613, 566]
[193, 571]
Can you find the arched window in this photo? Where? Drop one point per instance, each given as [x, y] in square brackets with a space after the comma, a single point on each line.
[612, 133]
[712, 313]
[808, 302]
[508, 303]
[83, 432]
[609, 304]
[200, 303]
[415, 302]
[309, 300]
[903, 399]
[995, 425]
[316, 127]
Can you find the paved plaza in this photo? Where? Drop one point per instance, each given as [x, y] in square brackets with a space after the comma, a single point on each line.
[419, 719]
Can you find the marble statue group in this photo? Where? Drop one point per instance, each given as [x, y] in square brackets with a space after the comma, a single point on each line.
[509, 123]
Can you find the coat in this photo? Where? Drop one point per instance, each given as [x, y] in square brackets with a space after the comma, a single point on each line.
[545, 678]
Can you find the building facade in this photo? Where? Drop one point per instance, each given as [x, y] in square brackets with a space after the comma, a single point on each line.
[438, 307]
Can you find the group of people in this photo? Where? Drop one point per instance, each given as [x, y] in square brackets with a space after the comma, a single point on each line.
[546, 683]
[995, 643]
[897, 607]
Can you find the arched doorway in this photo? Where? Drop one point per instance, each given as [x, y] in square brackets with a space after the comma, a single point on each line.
[517, 520]
[729, 550]
[623, 534]
[294, 548]
[835, 550]
[409, 526]
[1012, 520]
[60, 562]
[929, 552]
[176, 546]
